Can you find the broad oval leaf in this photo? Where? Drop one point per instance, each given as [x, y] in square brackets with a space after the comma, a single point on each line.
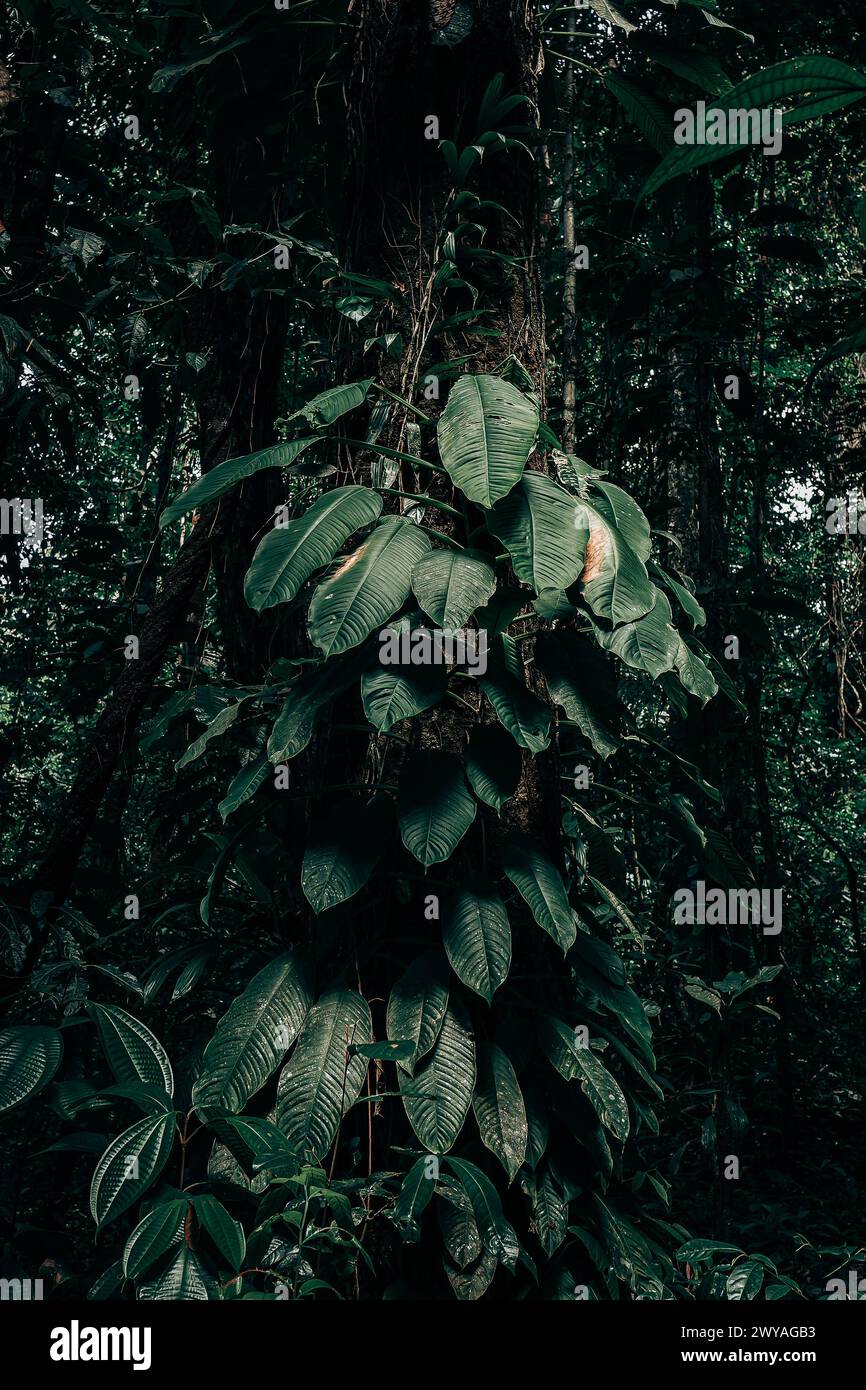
[525, 717]
[417, 1006]
[252, 1038]
[745, 1280]
[391, 693]
[615, 580]
[581, 679]
[496, 1232]
[460, 1233]
[346, 843]
[499, 1108]
[226, 1233]
[573, 1062]
[621, 510]
[153, 1236]
[307, 697]
[321, 1080]
[493, 765]
[186, 1280]
[486, 433]
[539, 883]
[451, 584]
[132, 1161]
[29, 1058]
[826, 83]
[434, 806]
[477, 936]
[694, 673]
[329, 405]
[367, 588]
[244, 784]
[437, 1098]
[540, 525]
[412, 1199]
[215, 729]
[223, 478]
[288, 555]
[549, 1213]
[650, 644]
[135, 1056]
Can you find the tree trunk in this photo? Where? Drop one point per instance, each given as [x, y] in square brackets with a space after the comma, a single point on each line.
[411, 63]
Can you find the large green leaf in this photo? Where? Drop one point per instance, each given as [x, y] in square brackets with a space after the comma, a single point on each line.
[745, 1280]
[573, 1062]
[437, 1098]
[496, 1233]
[477, 936]
[346, 843]
[451, 584]
[330, 405]
[288, 555]
[132, 1161]
[538, 1129]
[549, 1213]
[152, 1237]
[367, 588]
[499, 1108]
[621, 511]
[581, 679]
[307, 697]
[460, 1233]
[525, 717]
[413, 1197]
[135, 1056]
[244, 784]
[186, 1280]
[29, 1058]
[251, 1039]
[539, 883]
[219, 725]
[651, 643]
[226, 1233]
[684, 596]
[434, 806]
[615, 581]
[321, 1080]
[224, 477]
[493, 765]
[486, 433]
[417, 1006]
[394, 692]
[826, 84]
[472, 1281]
[648, 114]
[694, 673]
[700, 69]
[538, 525]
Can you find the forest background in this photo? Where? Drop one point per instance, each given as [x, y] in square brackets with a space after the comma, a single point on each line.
[231, 232]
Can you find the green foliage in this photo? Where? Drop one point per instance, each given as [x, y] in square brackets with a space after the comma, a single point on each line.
[373, 933]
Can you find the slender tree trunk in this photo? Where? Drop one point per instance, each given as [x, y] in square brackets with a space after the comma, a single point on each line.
[409, 65]
[569, 294]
